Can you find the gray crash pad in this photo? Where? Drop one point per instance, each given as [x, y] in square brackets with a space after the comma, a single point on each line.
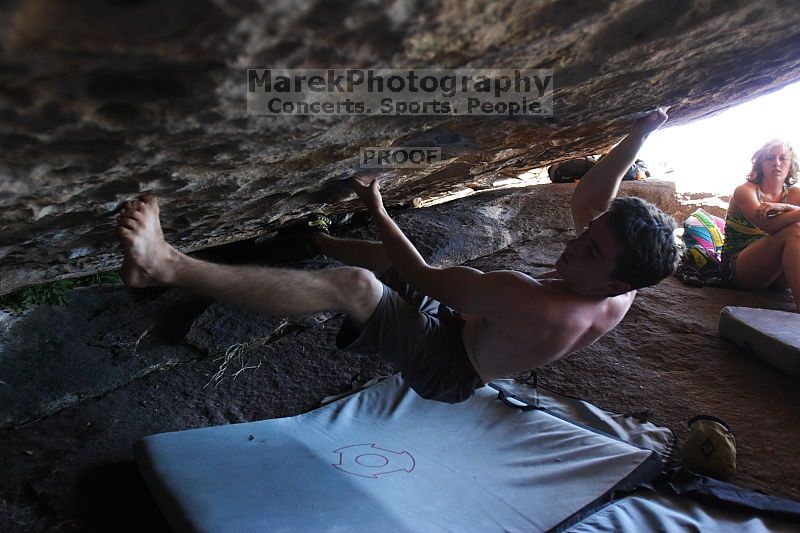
[649, 511]
[386, 460]
[774, 336]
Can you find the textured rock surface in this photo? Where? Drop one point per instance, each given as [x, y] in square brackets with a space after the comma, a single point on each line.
[55, 357]
[100, 100]
[73, 467]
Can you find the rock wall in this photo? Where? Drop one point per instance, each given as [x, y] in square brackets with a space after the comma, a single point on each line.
[109, 336]
[101, 100]
[80, 383]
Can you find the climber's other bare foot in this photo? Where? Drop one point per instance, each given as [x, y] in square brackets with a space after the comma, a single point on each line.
[149, 260]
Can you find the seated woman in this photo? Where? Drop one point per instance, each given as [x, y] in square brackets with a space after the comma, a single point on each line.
[762, 227]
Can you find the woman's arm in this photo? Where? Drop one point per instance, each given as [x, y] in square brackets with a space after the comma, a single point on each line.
[771, 209]
[746, 201]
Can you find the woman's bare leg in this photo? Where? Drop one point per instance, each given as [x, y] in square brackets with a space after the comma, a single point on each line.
[791, 263]
[771, 258]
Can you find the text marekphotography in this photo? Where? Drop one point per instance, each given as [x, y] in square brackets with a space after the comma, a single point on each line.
[400, 92]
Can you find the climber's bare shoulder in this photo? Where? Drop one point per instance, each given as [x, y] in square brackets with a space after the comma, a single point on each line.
[550, 321]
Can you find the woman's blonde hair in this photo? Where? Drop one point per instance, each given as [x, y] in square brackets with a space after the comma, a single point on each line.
[756, 175]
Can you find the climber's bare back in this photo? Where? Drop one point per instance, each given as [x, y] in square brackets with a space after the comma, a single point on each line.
[551, 322]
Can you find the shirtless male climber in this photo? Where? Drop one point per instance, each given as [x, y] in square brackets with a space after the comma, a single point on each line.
[488, 325]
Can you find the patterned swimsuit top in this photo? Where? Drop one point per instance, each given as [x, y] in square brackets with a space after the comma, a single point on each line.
[740, 232]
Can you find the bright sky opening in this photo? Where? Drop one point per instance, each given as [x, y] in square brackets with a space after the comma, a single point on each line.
[713, 155]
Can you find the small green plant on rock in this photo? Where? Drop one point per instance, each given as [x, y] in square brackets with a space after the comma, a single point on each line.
[53, 293]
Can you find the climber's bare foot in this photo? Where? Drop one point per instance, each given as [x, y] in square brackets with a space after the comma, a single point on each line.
[149, 260]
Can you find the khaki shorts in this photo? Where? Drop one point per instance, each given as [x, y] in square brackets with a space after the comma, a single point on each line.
[418, 335]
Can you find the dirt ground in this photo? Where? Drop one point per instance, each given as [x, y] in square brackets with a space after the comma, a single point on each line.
[72, 469]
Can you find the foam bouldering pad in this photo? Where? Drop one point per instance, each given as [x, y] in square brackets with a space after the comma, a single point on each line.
[773, 336]
[650, 511]
[386, 460]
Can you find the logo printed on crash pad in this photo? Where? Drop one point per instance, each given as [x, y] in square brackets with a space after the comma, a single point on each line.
[367, 460]
[707, 448]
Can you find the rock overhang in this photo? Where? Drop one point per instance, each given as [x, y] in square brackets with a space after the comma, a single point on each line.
[104, 100]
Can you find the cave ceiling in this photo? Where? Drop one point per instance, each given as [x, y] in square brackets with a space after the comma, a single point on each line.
[103, 100]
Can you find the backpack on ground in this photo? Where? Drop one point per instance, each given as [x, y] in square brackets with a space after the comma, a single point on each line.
[574, 169]
[703, 237]
[638, 171]
[570, 170]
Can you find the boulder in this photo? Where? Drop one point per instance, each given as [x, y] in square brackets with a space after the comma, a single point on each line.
[103, 100]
